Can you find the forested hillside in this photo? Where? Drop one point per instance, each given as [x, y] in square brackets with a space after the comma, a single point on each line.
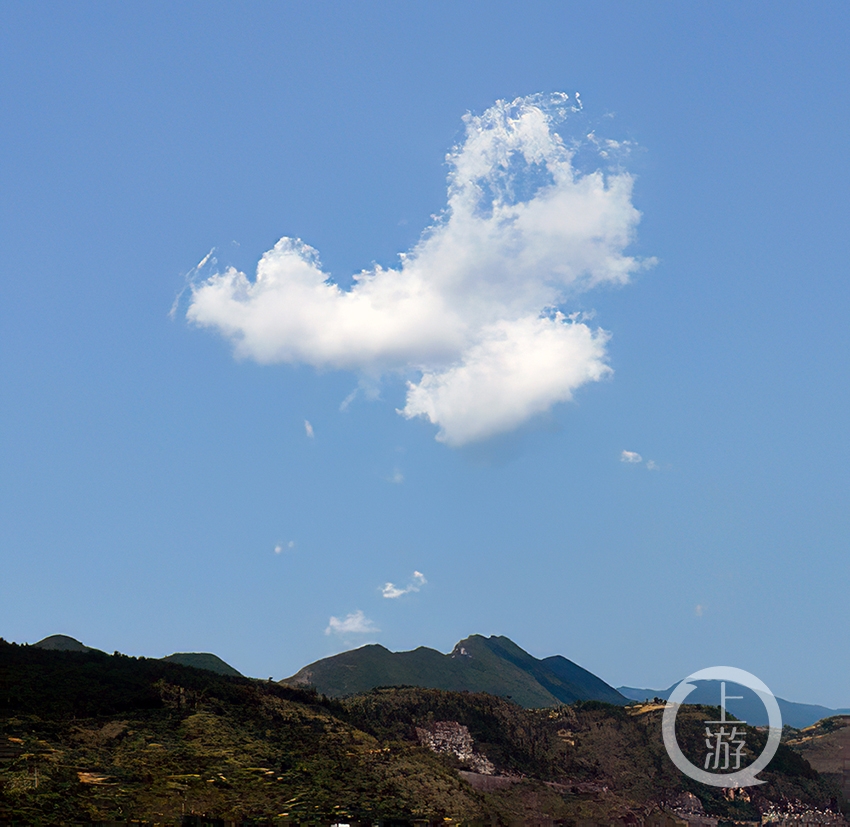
[88, 737]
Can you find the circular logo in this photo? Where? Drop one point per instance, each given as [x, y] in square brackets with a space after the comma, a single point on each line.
[720, 739]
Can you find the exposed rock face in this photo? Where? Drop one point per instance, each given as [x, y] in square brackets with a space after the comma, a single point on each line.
[689, 808]
[450, 736]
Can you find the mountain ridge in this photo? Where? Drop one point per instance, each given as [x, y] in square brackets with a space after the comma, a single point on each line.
[196, 660]
[495, 665]
[553, 677]
[62, 643]
[751, 709]
[113, 737]
[203, 660]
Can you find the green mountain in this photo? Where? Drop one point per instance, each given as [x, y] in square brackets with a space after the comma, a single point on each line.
[62, 643]
[203, 660]
[88, 738]
[495, 665]
[197, 660]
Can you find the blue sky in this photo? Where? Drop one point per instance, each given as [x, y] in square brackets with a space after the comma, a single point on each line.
[161, 490]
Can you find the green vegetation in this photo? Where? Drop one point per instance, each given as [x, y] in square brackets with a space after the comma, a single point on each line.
[62, 643]
[203, 660]
[199, 660]
[87, 737]
[495, 665]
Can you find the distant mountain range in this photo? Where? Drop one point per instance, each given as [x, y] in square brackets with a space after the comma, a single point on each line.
[749, 708]
[199, 660]
[91, 738]
[477, 664]
[495, 665]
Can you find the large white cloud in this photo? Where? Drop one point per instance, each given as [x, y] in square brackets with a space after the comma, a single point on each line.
[473, 310]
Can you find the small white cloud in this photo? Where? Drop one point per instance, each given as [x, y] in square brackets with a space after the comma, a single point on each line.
[280, 547]
[699, 610]
[355, 623]
[343, 406]
[471, 312]
[397, 477]
[391, 591]
[308, 428]
[635, 458]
